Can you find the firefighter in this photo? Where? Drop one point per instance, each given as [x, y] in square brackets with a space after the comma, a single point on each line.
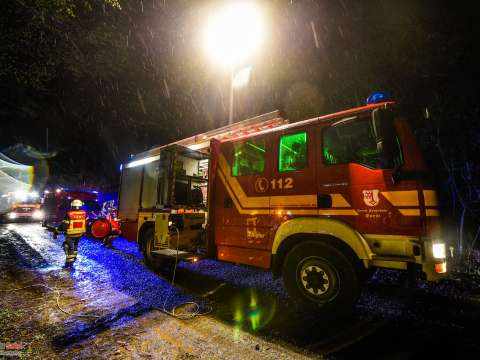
[74, 226]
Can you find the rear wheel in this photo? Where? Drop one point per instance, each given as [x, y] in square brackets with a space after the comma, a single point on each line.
[153, 262]
[322, 275]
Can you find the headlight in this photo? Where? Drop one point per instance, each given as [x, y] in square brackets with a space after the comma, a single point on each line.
[12, 215]
[438, 251]
[38, 214]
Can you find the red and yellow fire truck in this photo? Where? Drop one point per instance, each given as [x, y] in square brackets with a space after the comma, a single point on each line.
[319, 202]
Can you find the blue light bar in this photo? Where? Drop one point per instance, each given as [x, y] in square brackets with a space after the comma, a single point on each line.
[378, 97]
[80, 190]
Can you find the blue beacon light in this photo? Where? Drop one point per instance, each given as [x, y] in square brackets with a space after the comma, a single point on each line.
[377, 97]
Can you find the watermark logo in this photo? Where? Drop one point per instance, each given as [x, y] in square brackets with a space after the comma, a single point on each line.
[10, 349]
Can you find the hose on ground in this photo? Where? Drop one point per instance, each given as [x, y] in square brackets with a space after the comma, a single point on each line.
[196, 310]
[57, 298]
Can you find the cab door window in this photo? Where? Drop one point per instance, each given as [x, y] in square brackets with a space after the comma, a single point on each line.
[249, 157]
[292, 152]
[362, 142]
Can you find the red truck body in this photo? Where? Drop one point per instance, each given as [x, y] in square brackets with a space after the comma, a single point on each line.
[56, 203]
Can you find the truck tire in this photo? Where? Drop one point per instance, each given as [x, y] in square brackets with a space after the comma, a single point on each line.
[147, 248]
[154, 263]
[321, 275]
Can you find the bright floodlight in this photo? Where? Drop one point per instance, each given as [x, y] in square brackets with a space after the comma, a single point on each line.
[234, 33]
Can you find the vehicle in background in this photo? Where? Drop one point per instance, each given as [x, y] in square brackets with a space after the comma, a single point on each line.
[104, 226]
[320, 202]
[55, 204]
[24, 206]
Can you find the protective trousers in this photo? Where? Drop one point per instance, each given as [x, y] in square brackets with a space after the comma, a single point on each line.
[70, 247]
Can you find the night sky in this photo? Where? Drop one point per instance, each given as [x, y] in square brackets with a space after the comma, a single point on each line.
[109, 81]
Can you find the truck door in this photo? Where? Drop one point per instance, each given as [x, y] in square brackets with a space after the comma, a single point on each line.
[241, 189]
[293, 181]
[360, 155]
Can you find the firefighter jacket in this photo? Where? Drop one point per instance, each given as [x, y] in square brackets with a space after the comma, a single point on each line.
[74, 223]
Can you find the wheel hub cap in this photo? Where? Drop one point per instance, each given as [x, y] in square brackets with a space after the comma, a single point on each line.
[315, 280]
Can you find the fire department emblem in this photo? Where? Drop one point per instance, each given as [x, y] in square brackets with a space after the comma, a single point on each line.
[370, 197]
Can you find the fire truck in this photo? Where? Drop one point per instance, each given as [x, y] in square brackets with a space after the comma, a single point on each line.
[56, 203]
[24, 206]
[319, 202]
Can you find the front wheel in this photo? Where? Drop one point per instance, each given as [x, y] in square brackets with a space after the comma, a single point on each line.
[320, 274]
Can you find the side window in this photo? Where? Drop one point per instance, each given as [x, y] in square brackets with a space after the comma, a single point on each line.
[249, 157]
[359, 142]
[292, 152]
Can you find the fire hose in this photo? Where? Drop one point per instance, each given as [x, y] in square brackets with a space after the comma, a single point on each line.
[172, 312]
[196, 307]
[57, 298]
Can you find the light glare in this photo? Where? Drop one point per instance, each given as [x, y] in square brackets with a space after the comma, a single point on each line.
[233, 33]
[242, 77]
[142, 161]
[38, 214]
[438, 251]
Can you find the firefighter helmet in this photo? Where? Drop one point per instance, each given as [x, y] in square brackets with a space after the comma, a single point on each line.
[76, 203]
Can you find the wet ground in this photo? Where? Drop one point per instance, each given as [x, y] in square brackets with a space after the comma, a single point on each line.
[111, 306]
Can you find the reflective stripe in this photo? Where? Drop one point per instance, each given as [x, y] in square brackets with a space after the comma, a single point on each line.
[402, 198]
[430, 198]
[260, 205]
[350, 212]
[432, 212]
[339, 201]
[409, 212]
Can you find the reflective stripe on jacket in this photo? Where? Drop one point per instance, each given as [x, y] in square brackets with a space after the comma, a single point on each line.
[76, 223]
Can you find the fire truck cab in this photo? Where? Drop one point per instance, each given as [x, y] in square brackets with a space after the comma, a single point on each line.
[318, 202]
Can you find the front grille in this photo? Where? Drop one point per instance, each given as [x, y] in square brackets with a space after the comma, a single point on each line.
[24, 210]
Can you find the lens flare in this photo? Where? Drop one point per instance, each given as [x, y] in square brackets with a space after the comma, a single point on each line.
[251, 313]
[15, 181]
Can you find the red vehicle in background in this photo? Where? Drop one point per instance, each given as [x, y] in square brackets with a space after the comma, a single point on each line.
[102, 221]
[56, 204]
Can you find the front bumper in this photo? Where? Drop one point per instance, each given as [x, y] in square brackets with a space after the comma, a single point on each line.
[19, 217]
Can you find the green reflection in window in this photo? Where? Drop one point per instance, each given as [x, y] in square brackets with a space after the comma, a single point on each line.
[293, 152]
[249, 157]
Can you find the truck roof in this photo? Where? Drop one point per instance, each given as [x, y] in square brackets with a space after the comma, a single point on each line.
[261, 124]
[81, 194]
[201, 141]
[328, 118]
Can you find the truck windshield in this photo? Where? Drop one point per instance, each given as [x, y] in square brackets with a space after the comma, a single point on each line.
[27, 202]
[360, 141]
